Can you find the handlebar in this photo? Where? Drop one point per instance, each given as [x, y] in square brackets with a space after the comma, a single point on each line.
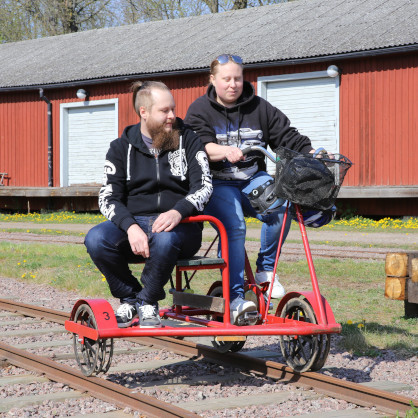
[319, 153]
[261, 149]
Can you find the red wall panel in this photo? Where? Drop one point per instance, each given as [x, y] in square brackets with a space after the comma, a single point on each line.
[378, 119]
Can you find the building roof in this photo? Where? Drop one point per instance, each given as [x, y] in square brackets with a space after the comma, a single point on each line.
[303, 29]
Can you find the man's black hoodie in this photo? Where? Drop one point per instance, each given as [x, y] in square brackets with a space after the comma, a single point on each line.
[251, 121]
[137, 183]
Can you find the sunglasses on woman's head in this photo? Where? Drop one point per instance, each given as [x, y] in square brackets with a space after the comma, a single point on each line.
[225, 58]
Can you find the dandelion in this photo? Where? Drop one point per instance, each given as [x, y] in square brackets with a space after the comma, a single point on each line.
[349, 322]
[360, 326]
[18, 264]
[23, 275]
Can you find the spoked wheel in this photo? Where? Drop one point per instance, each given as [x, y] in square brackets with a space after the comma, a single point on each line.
[224, 346]
[299, 351]
[92, 356]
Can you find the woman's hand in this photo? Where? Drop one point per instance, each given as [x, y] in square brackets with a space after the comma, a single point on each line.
[218, 152]
[234, 154]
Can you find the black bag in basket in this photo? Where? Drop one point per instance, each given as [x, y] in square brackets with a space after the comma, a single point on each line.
[308, 181]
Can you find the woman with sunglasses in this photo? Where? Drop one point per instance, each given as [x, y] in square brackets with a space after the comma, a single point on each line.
[229, 118]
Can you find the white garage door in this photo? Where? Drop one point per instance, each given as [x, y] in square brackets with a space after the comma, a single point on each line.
[89, 131]
[310, 101]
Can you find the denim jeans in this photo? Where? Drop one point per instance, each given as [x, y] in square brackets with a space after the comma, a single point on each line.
[229, 203]
[111, 252]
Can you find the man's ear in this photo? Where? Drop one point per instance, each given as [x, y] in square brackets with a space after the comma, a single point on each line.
[143, 112]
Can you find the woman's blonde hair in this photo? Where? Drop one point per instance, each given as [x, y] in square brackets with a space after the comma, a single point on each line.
[215, 63]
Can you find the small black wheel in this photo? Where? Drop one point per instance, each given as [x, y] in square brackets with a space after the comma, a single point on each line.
[324, 343]
[92, 356]
[299, 351]
[224, 346]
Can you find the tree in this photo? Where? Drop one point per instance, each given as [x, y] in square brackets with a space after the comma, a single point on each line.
[135, 11]
[27, 19]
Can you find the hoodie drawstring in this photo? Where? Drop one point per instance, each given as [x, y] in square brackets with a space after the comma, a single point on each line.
[183, 177]
[128, 164]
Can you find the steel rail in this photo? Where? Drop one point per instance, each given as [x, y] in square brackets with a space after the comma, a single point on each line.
[358, 394]
[97, 387]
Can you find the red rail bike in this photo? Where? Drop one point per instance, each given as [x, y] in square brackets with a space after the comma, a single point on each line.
[303, 320]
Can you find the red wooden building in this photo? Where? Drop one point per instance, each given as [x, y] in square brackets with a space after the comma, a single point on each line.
[52, 143]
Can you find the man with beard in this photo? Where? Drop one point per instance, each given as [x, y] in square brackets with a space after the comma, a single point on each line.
[155, 175]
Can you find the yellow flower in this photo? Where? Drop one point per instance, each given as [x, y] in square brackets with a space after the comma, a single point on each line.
[349, 322]
[360, 326]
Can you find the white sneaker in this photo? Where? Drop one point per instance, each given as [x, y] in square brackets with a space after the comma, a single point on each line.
[239, 307]
[265, 277]
[125, 315]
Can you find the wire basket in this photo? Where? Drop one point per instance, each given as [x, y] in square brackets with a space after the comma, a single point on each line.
[309, 181]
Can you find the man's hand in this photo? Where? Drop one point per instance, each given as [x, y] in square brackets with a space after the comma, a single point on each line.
[166, 221]
[138, 240]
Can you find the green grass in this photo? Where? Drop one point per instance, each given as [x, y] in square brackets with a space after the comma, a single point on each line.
[354, 290]
[345, 224]
[43, 231]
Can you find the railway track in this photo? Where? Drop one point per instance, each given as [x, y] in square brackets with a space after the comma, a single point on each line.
[289, 249]
[124, 397]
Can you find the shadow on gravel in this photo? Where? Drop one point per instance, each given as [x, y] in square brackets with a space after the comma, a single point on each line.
[353, 357]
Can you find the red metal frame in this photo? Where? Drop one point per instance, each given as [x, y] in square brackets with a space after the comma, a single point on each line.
[269, 325]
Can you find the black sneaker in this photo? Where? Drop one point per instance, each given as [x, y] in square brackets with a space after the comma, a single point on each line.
[125, 315]
[149, 316]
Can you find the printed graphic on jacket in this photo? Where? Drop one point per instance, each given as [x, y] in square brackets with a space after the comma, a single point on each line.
[106, 190]
[241, 138]
[201, 196]
[177, 167]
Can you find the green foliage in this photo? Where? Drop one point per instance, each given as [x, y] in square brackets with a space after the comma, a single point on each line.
[412, 413]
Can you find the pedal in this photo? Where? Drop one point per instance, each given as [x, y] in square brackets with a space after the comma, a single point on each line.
[248, 318]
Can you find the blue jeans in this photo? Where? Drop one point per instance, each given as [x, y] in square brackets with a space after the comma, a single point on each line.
[229, 203]
[111, 252]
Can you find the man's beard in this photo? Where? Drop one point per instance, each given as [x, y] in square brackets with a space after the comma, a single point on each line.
[163, 140]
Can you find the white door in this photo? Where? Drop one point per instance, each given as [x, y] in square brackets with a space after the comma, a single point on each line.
[87, 133]
[310, 101]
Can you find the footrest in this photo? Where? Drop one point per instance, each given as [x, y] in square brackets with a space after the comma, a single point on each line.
[199, 261]
[209, 303]
[229, 338]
